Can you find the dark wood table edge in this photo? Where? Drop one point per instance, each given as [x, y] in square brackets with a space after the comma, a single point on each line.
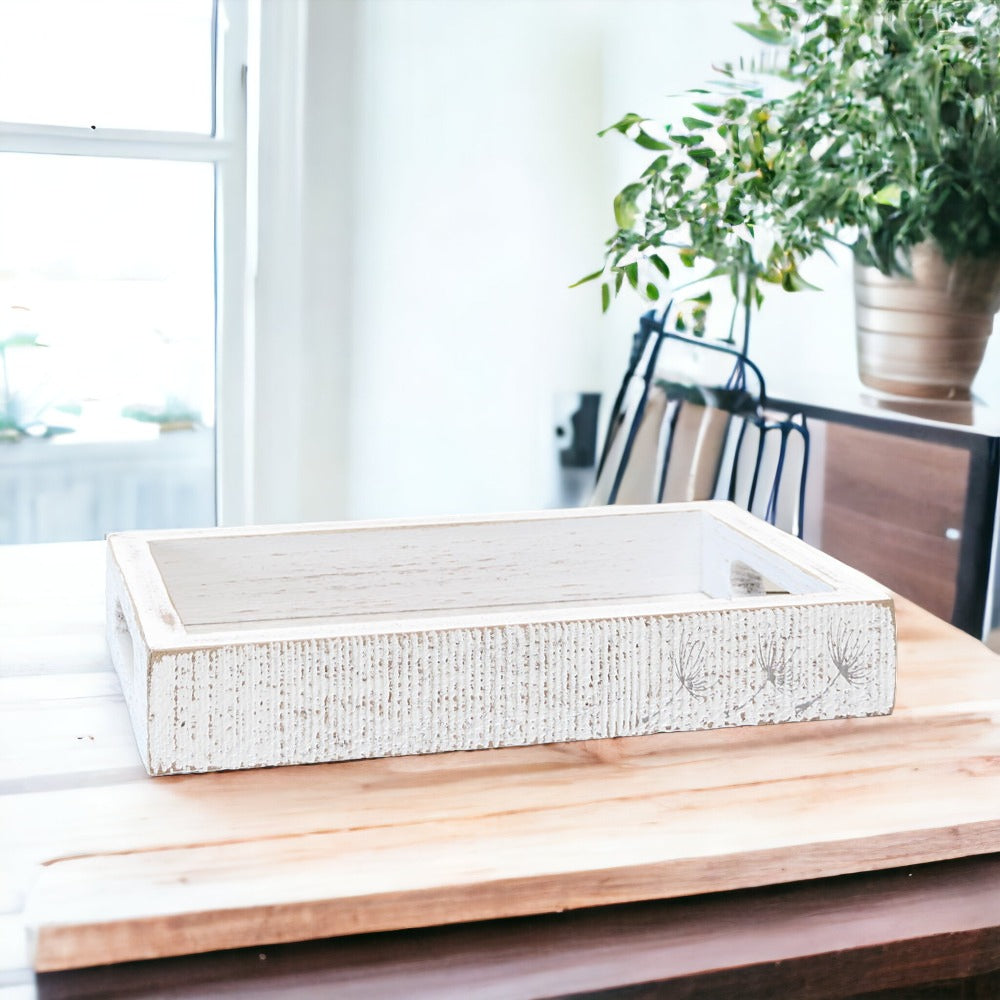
[829, 938]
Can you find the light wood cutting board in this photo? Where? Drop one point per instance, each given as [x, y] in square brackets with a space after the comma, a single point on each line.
[114, 866]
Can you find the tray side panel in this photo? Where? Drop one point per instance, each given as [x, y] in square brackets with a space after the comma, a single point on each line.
[788, 559]
[306, 701]
[129, 653]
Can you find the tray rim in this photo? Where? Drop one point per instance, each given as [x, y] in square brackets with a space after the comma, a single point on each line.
[130, 559]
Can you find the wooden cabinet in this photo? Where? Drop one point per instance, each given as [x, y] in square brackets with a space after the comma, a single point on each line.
[906, 491]
[894, 508]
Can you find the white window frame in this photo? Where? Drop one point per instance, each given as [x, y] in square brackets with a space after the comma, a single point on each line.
[226, 148]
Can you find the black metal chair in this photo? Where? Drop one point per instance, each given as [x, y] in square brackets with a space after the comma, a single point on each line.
[672, 437]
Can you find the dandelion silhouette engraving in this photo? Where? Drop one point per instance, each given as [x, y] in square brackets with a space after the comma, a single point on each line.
[688, 665]
[772, 658]
[686, 673]
[849, 654]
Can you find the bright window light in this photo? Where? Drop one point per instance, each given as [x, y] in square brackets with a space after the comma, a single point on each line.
[121, 64]
[112, 180]
[109, 264]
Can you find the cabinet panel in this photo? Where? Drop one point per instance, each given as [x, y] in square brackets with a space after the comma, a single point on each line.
[889, 506]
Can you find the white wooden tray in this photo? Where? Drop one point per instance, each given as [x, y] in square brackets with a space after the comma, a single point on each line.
[286, 645]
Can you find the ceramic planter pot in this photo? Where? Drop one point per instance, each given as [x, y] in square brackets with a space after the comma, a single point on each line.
[926, 335]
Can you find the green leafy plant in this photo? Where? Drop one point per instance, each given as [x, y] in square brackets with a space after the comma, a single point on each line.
[886, 134]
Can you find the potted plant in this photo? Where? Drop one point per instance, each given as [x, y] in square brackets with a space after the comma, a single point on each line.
[886, 138]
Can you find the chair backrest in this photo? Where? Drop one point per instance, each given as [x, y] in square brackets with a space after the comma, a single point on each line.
[675, 438]
[767, 460]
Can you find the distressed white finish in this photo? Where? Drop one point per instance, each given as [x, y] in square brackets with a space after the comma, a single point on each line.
[261, 646]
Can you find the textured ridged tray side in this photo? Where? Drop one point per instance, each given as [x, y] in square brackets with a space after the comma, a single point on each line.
[129, 654]
[304, 701]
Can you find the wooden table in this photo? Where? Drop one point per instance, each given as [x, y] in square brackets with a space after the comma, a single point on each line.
[63, 730]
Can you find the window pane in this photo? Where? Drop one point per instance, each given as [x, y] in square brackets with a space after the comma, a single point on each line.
[107, 314]
[135, 64]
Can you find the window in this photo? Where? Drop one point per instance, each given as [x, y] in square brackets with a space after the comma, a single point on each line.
[122, 235]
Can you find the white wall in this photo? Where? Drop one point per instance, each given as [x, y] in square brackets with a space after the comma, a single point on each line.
[477, 163]
[306, 206]
[329, 254]
[452, 187]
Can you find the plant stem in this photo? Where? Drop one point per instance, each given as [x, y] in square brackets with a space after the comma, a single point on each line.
[730, 339]
[739, 708]
[654, 717]
[812, 701]
[746, 316]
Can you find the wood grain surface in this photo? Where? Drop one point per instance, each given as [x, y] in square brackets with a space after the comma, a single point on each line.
[810, 941]
[107, 865]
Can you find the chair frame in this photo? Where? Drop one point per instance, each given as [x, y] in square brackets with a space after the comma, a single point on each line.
[649, 340]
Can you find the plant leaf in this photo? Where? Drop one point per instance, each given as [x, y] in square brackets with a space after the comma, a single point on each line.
[702, 155]
[623, 125]
[605, 297]
[792, 281]
[648, 142]
[891, 194]
[625, 207]
[660, 264]
[589, 277]
[657, 166]
[652, 292]
[764, 32]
